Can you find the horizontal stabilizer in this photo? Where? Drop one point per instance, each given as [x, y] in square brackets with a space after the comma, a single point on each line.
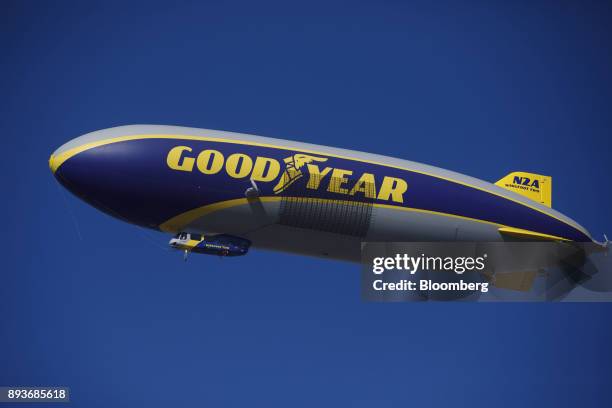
[521, 281]
[528, 235]
[536, 187]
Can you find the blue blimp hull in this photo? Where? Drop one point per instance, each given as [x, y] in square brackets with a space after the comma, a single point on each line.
[289, 196]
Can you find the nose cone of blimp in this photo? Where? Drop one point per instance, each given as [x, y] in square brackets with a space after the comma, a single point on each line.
[124, 173]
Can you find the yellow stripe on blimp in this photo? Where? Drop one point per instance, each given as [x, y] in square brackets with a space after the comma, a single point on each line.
[56, 161]
[178, 223]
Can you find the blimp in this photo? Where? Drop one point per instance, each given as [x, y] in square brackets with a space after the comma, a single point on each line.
[222, 193]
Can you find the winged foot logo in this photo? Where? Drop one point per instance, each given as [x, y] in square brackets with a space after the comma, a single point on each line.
[293, 170]
[265, 169]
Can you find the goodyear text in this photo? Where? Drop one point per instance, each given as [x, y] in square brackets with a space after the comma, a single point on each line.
[266, 169]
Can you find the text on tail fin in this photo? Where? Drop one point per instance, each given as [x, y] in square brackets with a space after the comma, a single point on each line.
[536, 187]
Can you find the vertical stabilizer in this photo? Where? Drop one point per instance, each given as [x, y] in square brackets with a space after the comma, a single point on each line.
[533, 186]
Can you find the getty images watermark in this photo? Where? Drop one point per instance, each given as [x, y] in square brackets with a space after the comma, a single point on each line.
[414, 264]
[490, 271]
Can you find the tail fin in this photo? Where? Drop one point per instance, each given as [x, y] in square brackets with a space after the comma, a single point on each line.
[533, 186]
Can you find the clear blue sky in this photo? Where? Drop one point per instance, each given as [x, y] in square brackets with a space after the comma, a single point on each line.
[483, 88]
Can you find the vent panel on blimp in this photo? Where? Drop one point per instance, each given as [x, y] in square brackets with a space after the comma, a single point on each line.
[303, 208]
